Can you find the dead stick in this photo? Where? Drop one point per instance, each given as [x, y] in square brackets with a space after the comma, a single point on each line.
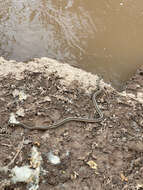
[20, 148]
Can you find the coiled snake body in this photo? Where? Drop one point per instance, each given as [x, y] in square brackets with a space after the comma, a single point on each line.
[68, 119]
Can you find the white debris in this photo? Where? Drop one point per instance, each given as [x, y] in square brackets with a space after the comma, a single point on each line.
[20, 112]
[15, 93]
[36, 158]
[20, 94]
[21, 174]
[12, 119]
[67, 153]
[29, 173]
[53, 158]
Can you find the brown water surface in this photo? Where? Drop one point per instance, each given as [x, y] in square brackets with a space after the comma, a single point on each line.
[104, 37]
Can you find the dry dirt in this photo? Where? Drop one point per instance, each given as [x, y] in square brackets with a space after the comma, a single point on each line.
[102, 156]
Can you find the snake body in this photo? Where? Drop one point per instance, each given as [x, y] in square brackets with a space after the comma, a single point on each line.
[68, 119]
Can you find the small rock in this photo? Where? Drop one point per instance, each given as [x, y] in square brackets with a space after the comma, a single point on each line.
[27, 142]
[47, 99]
[53, 158]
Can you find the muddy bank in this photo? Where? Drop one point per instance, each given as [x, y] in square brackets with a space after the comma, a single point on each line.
[77, 155]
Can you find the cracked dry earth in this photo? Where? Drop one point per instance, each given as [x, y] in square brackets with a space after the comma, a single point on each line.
[115, 145]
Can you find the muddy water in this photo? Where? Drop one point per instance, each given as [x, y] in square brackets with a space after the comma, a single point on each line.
[104, 37]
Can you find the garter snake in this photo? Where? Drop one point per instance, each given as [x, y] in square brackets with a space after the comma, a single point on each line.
[68, 119]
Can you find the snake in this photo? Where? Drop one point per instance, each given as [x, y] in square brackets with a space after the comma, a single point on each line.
[68, 119]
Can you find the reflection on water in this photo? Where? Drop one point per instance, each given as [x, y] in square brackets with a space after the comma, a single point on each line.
[101, 36]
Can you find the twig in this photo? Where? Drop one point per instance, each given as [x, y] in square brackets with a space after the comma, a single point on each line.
[5, 168]
[20, 148]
